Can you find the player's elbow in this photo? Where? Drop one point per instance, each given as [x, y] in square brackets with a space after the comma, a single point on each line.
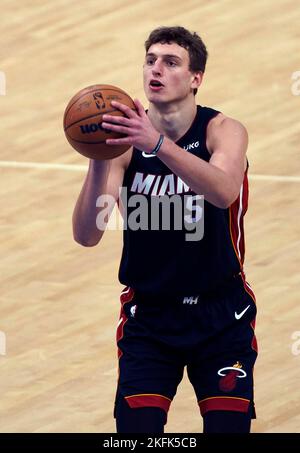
[86, 240]
[224, 204]
[221, 204]
[225, 200]
[225, 196]
[85, 243]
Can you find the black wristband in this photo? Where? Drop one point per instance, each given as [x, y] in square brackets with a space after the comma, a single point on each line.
[157, 147]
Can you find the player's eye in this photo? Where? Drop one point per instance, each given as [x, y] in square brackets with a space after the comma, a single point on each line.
[171, 63]
[150, 61]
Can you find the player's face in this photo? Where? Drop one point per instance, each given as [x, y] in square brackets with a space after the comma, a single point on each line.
[167, 77]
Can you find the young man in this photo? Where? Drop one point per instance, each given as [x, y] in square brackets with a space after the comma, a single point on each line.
[186, 300]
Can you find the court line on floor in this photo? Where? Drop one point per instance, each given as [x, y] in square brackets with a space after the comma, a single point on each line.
[83, 168]
[274, 178]
[42, 166]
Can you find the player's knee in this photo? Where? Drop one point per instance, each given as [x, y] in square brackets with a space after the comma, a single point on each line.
[226, 422]
[139, 420]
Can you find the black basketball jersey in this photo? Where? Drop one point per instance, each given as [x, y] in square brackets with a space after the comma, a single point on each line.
[156, 260]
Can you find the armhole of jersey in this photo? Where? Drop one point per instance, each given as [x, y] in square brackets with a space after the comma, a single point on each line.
[213, 114]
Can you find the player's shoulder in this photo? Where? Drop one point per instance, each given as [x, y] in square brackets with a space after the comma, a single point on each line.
[223, 123]
[223, 129]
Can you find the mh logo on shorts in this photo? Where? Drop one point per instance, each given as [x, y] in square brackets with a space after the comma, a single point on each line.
[190, 300]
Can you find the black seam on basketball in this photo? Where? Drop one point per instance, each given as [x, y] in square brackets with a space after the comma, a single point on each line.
[92, 116]
[92, 143]
[92, 91]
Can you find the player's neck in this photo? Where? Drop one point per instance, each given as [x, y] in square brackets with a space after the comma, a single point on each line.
[172, 120]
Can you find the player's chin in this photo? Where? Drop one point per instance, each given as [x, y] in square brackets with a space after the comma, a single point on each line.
[157, 98]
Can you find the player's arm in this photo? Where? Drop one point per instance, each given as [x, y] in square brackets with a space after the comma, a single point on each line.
[103, 178]
[220, 179]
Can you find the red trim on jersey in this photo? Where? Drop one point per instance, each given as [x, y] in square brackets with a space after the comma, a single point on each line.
[149, 400]
[248, 288]
[236, 221]
[254, 344]
[125, 297]
[249, 291]
[223, 403]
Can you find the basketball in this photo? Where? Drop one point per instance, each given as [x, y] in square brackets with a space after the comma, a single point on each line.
[83, 121]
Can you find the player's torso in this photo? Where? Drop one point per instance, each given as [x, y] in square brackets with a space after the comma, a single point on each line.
[164, 251]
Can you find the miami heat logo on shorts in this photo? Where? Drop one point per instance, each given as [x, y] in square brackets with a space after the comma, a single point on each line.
[230, 374]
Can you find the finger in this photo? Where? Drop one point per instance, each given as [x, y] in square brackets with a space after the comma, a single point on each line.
[119, 141]
[116, 128]
[124, 108]
[139, 107]
[116, 119]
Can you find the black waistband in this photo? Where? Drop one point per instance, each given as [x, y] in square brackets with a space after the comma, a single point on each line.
[166, 298]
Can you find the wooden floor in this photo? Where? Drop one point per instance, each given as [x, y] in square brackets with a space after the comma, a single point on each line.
[59, 302]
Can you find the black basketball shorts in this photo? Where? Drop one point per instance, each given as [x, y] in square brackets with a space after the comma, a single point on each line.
[212, 336]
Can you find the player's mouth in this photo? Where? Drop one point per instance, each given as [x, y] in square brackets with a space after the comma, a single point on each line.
[155, 85]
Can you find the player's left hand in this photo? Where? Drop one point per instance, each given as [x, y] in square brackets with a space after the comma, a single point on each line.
[137, 127]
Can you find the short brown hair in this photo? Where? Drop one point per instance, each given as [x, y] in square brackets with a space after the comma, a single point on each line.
[184, 38]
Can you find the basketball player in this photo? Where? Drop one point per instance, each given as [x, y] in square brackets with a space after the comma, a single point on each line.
[186, 303]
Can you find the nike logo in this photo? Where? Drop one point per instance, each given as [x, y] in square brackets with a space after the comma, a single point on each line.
[147, 155]
[239, 315]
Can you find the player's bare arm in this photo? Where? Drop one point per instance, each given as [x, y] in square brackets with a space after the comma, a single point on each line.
[219, 180]
[103, 177]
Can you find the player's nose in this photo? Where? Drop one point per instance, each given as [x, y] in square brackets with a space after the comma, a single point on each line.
[157, 67]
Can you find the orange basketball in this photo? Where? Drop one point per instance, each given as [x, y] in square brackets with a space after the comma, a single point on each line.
[83, 121]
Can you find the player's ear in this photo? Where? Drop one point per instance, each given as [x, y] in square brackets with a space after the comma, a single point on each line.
[197, 78]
